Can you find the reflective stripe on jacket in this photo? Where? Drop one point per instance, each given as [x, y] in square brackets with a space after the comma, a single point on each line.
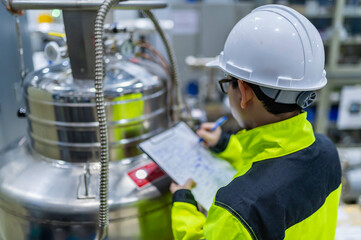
[287, 186]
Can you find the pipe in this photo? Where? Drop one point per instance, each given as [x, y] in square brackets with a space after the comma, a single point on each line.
[174, 69]
[100, 107]
[83, 4]
[20, 49]
[16, 13]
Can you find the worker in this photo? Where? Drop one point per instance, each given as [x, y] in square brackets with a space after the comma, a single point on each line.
[288, 179]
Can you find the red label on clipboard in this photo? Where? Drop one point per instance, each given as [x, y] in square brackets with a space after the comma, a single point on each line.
[146, 174]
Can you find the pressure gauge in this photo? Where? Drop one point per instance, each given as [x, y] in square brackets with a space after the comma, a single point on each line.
[126, 49]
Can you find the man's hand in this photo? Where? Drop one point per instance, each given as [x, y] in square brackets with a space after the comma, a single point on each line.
[189, 185]
[210, 138]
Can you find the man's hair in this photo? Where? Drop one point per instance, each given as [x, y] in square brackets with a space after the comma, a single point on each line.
[269, 104]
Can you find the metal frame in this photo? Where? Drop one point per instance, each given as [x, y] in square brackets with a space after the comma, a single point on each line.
[337, 75]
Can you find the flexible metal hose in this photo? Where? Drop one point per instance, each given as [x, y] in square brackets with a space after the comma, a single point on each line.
[172, 60]
[100, 104]
[100, 108]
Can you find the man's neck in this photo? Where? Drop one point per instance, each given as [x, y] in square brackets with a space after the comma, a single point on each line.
[263, 117]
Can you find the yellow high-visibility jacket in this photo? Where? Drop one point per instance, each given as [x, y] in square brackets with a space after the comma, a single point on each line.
[287, 186]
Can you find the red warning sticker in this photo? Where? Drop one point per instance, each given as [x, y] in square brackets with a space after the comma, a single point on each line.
[146, 174]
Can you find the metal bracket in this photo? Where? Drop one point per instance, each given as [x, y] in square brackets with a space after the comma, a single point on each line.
[86, 188]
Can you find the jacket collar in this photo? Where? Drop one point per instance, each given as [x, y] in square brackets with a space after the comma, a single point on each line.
[276, 139]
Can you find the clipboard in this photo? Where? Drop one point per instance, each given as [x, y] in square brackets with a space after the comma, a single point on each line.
[178, 152]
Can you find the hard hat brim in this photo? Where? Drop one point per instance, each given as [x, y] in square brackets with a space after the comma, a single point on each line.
[214, 64]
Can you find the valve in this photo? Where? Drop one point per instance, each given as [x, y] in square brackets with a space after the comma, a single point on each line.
[21, 112]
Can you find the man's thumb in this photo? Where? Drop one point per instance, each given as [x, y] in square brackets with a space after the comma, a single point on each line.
[190, 184]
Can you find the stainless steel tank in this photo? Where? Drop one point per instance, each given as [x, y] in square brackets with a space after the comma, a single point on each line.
[47, 199]
[62, 116]
[49, 180]
[351, 178]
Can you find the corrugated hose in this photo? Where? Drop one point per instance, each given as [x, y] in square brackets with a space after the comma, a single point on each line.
[100, 108]
[100, 105]
[172, 61]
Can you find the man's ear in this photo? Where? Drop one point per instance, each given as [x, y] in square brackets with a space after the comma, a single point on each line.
[246, 93]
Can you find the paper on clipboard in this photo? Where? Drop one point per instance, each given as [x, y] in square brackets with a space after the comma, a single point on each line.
[178, 152]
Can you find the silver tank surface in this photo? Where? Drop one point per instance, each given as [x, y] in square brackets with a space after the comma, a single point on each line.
[351, 177]
[62, 114]
[351, 189]
[49, 180]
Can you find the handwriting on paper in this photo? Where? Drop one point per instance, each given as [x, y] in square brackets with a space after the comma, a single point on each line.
[178, 152]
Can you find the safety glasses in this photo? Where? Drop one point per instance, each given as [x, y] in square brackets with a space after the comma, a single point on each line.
[224, 83]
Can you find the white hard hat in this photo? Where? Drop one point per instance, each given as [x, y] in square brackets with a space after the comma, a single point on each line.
[275, 47]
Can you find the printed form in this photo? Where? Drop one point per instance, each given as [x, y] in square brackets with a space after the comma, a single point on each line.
[178, 152]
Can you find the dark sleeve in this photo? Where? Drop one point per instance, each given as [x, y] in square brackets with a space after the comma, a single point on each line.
[222, 143]
[184, 195]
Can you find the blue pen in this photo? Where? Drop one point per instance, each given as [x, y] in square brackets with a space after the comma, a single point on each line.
[218, 123]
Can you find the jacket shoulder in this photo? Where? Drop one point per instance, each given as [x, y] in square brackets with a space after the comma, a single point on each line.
[277, 193]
